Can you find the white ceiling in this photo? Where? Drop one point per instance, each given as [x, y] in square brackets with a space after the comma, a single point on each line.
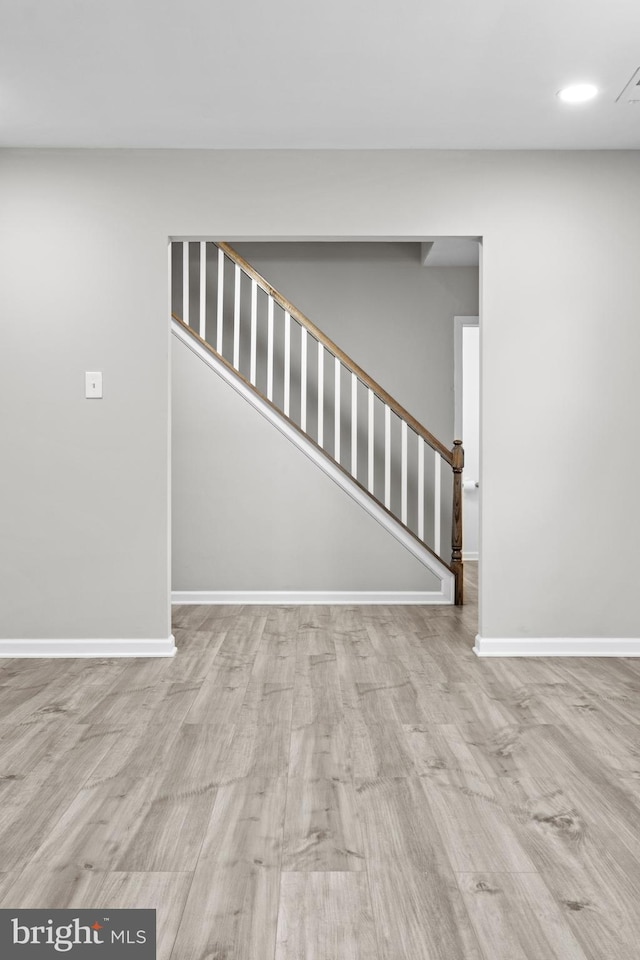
[339, 73]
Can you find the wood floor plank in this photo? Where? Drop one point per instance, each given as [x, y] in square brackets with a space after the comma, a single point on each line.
[54, 887]
[322, 828]
[599, 794]
[319, 746]
[262, 735]
[507, 750]
[29, 748]
[187, 616]
[140, 747]
[615, 745]
[318, 696]
[169, 836]
[222, 692]
[37, 672]
[247, 825]
[516, 918]
[29, 703]
[376, 739]
[358, 659]
[398, 827]
[236, 883]
[462, 668]
[126, 702]
[439, 702]
[441, 746]
[315, 637]
[474, 827]
[420, 916]
[42, 798]
[325, 915]
[96, 826]
[588, 868]
[275, 660]
[230, 914]
[413, 653]
[320, 751]
[220, 697]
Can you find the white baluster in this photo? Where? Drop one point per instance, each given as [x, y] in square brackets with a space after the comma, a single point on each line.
[287, 361]
[303, 378]
[254, 331]
[203, 289]
[320, 394]
[436, 502]
[354, 425]
[270, 350]
[403, 501]
[220, 311]
[421, 488]
[236, 320]
[370, 452]
[336, 411]
[185, 282]
[387, 457]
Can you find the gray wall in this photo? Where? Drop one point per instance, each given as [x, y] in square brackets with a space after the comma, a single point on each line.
[395, 317]
[83, 246]
[250, 512]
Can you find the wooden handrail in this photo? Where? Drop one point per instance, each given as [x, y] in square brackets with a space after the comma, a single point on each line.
[207, 346]
[333, 348]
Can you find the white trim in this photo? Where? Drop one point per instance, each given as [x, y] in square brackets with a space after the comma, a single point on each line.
[326, 463]
[297, 597]
[203, 289]
[458, 324]
[169, 427]
[387, 456]
[337, 410]
[186, 275]
[88, 648]
[437, 501]
[557, 647]
[471, 555]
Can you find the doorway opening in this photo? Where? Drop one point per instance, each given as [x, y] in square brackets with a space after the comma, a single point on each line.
[396, 318]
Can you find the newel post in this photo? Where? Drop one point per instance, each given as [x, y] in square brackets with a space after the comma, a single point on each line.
[457, 462]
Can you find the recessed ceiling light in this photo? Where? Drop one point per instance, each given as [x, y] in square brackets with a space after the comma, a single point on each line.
[578, 93]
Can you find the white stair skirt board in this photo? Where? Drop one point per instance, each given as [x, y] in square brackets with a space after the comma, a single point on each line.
[88, 648]
[325, 463]
[297, 597]
[557, 647]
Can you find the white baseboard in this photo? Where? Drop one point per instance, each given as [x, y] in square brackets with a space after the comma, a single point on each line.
[297, 597]
[557, 647]
[472, 555]
[88, 648]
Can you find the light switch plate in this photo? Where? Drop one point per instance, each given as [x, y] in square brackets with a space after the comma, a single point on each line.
[93, 385]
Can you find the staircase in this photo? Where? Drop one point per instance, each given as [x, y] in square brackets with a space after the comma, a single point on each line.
[322, 401]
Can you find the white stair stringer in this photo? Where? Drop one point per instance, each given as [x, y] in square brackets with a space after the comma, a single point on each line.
[322, 460]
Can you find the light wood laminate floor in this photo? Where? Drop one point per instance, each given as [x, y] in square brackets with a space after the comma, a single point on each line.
[330, 783]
